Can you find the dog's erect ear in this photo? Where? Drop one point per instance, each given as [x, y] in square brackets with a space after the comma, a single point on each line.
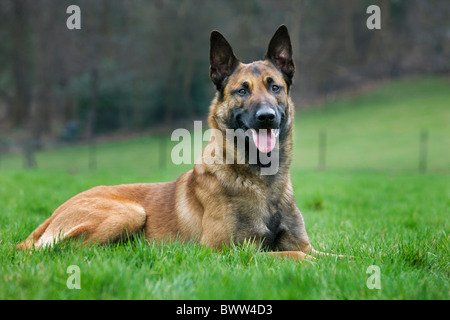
[280, 52]
[222, 59]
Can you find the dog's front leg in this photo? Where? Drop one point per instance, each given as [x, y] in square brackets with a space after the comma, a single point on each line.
[296, 255]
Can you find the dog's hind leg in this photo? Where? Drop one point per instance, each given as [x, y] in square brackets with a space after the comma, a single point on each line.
[114, 226]
[96, 219]
[30, 242]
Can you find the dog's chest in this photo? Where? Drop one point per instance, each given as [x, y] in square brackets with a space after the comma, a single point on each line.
[265, 227]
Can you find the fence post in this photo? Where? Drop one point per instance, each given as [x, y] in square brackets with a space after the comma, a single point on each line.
[91, 118]
[162, 151]
[92, 150]
[28, 153]
[322, 150]
[423, 151]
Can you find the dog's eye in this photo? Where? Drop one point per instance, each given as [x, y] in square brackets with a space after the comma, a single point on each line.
[275, 88]
[242, 92]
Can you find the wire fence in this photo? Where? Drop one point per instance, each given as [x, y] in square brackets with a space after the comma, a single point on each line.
[424, 152]
[416, 155]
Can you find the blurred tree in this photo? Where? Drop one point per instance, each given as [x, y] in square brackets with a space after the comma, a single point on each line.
[139, 64]
[21, 62]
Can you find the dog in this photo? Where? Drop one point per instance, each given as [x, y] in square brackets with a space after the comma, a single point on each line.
[215, 204]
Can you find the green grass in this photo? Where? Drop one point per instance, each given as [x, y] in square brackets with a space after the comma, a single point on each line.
[380, 130]
[370, 203]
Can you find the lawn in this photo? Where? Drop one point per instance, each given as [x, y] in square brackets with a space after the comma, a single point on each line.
[371, 202]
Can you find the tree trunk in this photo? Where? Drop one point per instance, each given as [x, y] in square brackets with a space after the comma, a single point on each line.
[21, 64]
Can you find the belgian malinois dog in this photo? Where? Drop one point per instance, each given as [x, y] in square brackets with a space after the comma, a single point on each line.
[214, 203]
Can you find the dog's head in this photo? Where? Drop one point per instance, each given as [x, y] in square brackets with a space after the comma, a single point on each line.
[253, 97]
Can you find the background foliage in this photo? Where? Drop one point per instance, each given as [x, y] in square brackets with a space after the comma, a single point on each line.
[139, 64]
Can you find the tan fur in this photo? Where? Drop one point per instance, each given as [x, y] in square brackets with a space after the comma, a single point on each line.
[214, 204]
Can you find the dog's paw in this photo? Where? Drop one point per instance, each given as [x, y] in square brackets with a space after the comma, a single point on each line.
[295, 255]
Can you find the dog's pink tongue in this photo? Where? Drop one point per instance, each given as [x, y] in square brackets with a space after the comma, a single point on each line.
[264, 140]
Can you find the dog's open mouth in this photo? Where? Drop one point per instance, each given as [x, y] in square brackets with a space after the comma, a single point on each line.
[265, 139]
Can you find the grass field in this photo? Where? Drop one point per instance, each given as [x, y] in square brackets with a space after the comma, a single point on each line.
[370, 203]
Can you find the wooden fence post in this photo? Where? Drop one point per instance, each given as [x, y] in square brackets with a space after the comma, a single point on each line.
[423, 151]
[92, 150]
[162, 151]
[322, 150]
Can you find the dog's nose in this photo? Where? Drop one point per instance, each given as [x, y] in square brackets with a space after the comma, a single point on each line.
[265, 116]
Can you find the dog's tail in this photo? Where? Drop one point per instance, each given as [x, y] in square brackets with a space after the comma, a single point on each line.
[33, 238]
